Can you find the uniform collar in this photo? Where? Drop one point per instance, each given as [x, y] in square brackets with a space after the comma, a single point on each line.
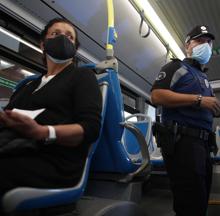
[194, 63]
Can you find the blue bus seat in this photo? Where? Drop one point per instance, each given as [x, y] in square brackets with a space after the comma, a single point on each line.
[27, 198]
[26, 80]
[145, 125]
[130, 141]
[112, 154]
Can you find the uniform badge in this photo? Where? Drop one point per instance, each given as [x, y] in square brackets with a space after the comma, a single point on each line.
[206, 83]
[161, 75]
[204, 30]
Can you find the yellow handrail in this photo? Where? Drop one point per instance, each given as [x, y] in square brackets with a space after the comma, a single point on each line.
[110, 13]
[111, 34]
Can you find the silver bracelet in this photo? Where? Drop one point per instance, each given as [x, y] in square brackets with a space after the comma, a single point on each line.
[52, 135]
[198, 100]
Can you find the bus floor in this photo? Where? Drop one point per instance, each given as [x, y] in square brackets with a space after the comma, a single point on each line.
[157, 197]
[214, 200]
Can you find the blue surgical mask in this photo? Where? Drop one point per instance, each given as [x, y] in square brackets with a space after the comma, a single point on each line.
[202, 53]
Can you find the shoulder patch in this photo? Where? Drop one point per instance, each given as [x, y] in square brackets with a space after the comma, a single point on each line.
[161, 76]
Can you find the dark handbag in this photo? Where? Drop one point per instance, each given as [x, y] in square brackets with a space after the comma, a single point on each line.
[13, 143]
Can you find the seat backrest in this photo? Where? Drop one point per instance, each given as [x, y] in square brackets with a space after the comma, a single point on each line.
[105, 158]
[25, 198]
[111, 154]
[26, 80]
[130, 141]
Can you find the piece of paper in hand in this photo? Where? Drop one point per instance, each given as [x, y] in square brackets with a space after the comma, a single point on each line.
[30, 113]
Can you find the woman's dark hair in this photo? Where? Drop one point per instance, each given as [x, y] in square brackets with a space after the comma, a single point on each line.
[51, 23]
[58, 20]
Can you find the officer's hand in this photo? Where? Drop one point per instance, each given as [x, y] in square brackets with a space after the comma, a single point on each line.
[211, 103]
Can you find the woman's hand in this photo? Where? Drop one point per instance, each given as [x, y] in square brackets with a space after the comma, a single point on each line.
[23, 124]
[68, 134]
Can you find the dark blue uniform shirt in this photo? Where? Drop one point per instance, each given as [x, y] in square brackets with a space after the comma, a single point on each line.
[185, 77]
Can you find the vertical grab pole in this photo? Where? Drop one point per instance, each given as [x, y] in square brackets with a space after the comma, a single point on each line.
[111, 34]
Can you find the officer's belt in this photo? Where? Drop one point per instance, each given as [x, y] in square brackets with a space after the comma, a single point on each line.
[193, 132]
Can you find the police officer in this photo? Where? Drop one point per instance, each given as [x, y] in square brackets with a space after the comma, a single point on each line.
[188, 106]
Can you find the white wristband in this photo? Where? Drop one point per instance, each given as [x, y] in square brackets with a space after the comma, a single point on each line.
[52, 134]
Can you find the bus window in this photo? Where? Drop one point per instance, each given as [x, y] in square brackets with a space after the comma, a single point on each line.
[10, 74]
[151, 111]
[130, 119]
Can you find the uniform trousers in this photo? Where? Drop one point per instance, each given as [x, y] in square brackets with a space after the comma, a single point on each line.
[190, 173]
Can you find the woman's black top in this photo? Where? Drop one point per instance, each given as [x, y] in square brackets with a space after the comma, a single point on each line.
[72, 96]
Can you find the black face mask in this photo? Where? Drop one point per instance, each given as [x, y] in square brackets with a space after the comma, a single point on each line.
[59, 49]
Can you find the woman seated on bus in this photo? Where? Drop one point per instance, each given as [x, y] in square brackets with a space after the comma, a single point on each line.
[50, 150]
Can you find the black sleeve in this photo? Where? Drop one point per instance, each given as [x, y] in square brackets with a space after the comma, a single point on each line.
[13, 96]
[165, 75]
[89, 104]
[19, 91]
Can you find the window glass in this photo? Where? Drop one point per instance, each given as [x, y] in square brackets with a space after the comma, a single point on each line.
[129, 101]
[130, 119]
[151, 111]
[10, 74]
